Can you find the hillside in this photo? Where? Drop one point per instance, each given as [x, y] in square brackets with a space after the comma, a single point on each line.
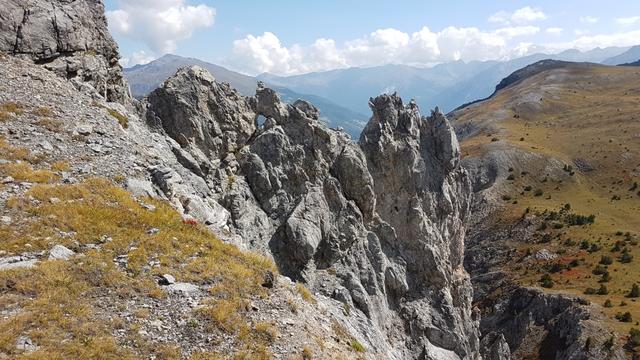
[555, 160]
[143, 79]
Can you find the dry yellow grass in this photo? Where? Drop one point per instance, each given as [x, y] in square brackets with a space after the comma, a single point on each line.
[13, 153]
[56, 298]
[50, 124]
[42, 111]
[8, 108]
[25, 172]
[305, 293]
[60, 166]
[122, 119]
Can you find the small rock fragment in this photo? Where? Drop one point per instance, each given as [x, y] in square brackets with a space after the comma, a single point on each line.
[84, 130]
[60, 252]
[167, 279]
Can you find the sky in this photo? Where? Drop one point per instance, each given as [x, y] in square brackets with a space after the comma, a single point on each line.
[287, 37]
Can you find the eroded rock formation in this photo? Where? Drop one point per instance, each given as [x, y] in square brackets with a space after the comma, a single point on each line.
[378, 225]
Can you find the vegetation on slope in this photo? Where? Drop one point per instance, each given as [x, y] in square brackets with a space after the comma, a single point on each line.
[56, 303]
[584, 122]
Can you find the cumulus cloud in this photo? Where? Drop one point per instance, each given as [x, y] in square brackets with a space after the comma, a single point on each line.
[588, 42]
[589, 19]
[554, 30]
[628, 20]
[159, 24]
[265, 53]
[137, 58]
[521, 16]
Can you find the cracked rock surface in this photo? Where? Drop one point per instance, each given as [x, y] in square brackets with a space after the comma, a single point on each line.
[68, 37]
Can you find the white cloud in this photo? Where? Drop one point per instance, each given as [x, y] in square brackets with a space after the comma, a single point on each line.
[265, 53]
[589, 19]
[159, 24]
[628, 20]
[137, 58]
[589, 42]
[554, 30]
[521, 16]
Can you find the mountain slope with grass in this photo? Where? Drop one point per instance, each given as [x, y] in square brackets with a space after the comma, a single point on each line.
[555, 161]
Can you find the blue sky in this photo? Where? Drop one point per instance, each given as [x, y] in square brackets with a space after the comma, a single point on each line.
[290, 37]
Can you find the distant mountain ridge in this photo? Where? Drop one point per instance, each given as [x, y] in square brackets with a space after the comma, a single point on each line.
[447, 85]
[630, 56]
[145, 78]
[341, 94]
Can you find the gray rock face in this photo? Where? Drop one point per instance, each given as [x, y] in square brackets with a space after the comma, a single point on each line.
[209, 119]
[493, 346]
[377, 225]
[17, 262]
[563, 326]
[68, 37]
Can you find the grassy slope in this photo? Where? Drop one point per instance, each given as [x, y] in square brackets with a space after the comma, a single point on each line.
[578, 112]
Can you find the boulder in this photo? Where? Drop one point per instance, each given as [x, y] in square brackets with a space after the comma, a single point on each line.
[60, 252]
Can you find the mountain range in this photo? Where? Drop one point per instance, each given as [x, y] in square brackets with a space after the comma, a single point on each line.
[341, 94]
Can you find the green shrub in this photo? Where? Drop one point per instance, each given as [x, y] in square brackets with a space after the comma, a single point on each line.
[602, 290]
[122, 120]
[357, 346]
[624, 317]
[599, 270]
[626, 257]
[546, 281]
[606, 260]
[605, 277]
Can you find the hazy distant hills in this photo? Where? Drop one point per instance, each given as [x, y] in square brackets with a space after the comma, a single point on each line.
[342, 95]
[630, 56]
[447, 85]
[145, 78]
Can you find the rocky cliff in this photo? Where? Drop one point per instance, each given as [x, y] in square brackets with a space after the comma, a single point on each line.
[377, 225]
[68, 37]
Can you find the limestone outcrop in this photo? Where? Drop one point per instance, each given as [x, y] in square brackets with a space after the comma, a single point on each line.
[69, 37]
